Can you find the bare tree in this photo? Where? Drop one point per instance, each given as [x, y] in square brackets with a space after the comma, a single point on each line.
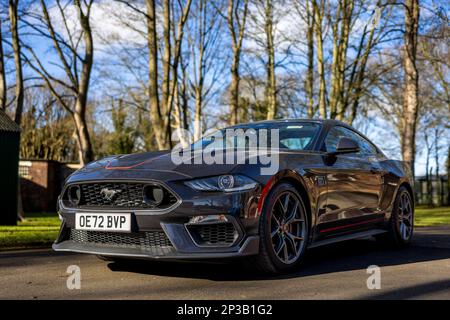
[271, 88]
[236, 19]
[341, 31]
[319, 12]
[411, 89]
[448, 176]
[161, 111]
[310, 22]
[47, 128]
[156, 114]
[158, 90]
[77, 68]
[437, 138]
[13, 5]
[206, 60]
[428, 170]
[3, 88]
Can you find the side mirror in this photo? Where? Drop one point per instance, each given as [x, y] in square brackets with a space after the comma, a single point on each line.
[346, 145]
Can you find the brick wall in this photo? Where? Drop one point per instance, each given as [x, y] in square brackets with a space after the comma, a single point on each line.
[41, 183]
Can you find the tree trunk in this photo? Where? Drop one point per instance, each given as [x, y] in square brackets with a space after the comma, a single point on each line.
[166, 103]
[448, 176]
[236, 41]
[184, 99]
[427, 170]
[347, 13]
[310, 54]
[173, 83]
[430, 187]
[335, 62]
[270, 48]
[2, 74]
[19, 90]
[17, 60]
[436, 159]
[200, 78]
[198, 114]
[411, 89]
[155, 110]
[86, 152]
[318, 16]
[234, 89]
[340, 47]
[160, 111]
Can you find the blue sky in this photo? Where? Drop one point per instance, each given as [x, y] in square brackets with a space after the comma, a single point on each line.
[377, 129]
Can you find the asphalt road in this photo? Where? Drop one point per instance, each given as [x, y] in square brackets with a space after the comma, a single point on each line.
[334, 272]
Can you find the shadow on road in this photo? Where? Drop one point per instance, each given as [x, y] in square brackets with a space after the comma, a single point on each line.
[413, 292]
[346, 256]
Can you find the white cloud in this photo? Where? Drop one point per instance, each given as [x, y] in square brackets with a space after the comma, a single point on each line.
[288, 27]
[112, 23]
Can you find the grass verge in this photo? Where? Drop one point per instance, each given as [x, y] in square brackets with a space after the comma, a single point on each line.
[428, 217]
[41, 229]
[38, 230]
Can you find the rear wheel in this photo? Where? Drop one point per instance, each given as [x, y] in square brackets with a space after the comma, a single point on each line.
[401, 223]
[283, 230]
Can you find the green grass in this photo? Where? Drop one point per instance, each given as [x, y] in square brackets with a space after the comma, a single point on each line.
[426, 217]
[41, 229]
[38, 230]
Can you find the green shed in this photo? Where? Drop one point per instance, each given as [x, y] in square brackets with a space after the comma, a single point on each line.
[9, 166]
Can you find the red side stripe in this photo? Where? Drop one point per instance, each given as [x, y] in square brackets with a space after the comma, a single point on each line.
[263, 195]
[352, 225]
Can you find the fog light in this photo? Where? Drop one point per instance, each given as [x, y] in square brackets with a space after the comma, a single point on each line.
[74, 194]
[153, 195]
[208, 219]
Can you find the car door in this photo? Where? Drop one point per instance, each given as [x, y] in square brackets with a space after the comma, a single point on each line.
[354, 185]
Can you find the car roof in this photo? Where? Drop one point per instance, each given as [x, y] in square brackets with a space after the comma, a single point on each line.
[318, 120]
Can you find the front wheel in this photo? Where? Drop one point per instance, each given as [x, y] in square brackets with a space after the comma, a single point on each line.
[283, 230]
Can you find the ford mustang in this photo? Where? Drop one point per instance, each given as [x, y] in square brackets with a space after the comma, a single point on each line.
[326, 182]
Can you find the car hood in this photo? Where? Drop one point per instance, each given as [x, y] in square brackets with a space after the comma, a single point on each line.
[149, 165]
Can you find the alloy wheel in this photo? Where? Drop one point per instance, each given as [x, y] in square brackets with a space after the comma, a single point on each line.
[405, 216]
[288, 227]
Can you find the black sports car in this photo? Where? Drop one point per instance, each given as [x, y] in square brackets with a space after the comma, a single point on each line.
[329, 183]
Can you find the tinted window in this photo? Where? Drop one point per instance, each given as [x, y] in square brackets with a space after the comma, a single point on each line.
[338, 132]
[297, 136]
[292, 136]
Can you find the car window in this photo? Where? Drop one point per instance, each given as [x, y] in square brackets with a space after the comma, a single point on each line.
[337, 132]
[291, 136]
[367, 148]
[298, 143]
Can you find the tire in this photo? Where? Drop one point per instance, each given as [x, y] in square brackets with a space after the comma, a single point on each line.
[283, 231]
[401, 223]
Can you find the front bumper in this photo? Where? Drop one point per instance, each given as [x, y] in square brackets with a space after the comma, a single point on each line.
[174, 226]
[249, 247]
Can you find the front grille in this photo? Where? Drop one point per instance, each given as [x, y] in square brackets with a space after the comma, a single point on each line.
[154, 242]
[127, 195]
[219, 234]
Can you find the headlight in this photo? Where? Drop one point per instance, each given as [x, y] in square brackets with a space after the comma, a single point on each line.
[227, 183]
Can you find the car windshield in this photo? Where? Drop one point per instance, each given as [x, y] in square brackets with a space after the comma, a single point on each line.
[284, 135]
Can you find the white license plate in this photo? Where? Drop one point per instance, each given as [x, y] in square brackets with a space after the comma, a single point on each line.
[103, 221]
